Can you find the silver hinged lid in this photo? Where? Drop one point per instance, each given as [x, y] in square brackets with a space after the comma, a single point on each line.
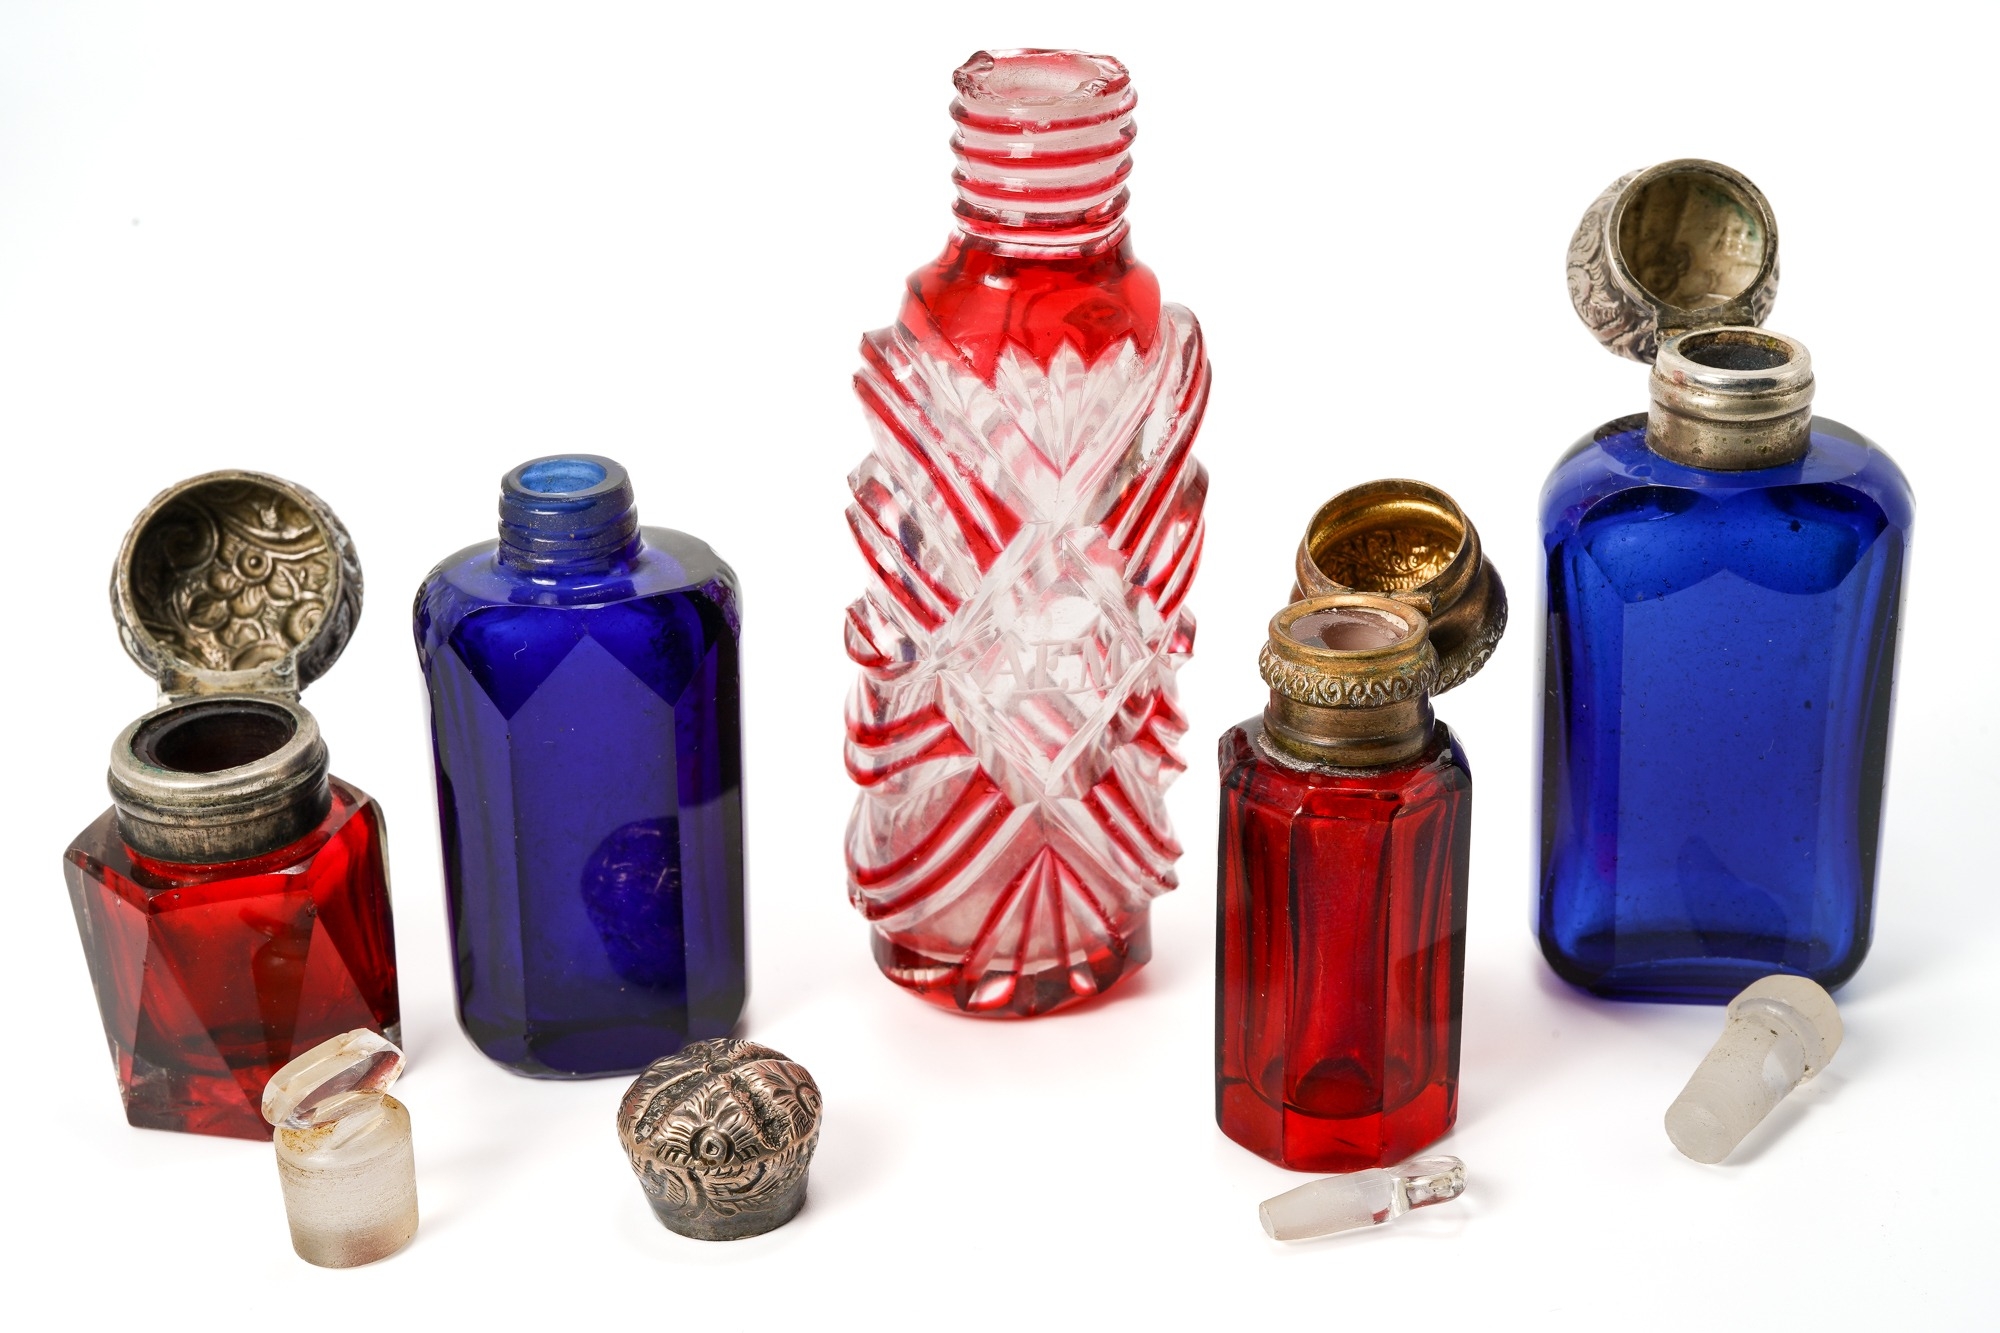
[1684, 245]
[236, 583]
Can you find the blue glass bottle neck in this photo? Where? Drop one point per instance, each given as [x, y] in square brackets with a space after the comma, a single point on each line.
[567, 516]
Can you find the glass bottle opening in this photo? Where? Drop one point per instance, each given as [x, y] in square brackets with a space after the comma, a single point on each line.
[1349, 629]
[567, 513]
[1736, 349]
[561, 476]
[1033, 78]
[212, 735]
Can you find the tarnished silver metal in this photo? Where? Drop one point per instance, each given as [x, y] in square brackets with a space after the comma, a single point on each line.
[236, 583]
[1351, 676]
[721, 1136]
[1684, 245]
[1731, 400]
[1409, 540]
[218, 779]
[234, 590]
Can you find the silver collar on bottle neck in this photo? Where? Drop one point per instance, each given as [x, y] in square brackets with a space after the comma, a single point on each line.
[218, 779]
[1731, 400]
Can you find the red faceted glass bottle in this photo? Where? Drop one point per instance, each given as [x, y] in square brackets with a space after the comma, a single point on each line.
[234, 901]
[1031, 519]
[1343, 854]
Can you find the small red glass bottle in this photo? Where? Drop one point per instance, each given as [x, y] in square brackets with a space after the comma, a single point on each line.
[1346, 817]
[234, 901]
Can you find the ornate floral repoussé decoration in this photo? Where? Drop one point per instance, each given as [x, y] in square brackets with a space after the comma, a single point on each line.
[721, 1136]
[234, 581]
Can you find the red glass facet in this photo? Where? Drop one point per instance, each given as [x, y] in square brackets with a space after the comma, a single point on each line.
[1341, 954]
[209, 978]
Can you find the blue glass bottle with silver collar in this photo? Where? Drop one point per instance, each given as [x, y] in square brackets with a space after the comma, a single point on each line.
[1723, 593]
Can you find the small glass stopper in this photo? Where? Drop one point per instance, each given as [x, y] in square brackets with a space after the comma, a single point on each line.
[1780, 1032]
[1362, 1199]
[344, 1156]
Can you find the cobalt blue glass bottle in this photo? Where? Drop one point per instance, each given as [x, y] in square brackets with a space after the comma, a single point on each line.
[1724, 579]
[583, 677]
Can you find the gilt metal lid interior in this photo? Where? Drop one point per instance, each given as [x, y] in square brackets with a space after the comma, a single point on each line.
[1409, 540]
[236, 582]
[1684, 245]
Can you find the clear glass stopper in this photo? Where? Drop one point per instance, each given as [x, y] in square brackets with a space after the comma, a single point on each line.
[1780, 1031]
[344, 1152]
[1362, 1199]
[314, 1088]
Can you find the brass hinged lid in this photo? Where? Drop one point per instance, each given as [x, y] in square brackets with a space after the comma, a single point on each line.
[1410, 541]
[236, 583]
[1684, 245]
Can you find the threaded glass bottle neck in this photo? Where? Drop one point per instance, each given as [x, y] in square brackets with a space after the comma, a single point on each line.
[1044, 144]
[567, 514]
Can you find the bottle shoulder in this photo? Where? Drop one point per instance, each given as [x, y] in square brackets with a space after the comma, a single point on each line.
[101, 848]
[1614, 460]
[976, 300]
[1251, 768]
[668, 562]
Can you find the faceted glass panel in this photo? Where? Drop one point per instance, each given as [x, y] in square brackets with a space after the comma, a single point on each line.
[1340, 939]
[1719, 667]
[587, 733]
[210, 978]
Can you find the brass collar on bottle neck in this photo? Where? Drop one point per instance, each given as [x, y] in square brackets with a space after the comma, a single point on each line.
[1731, 400]
[1350, 676]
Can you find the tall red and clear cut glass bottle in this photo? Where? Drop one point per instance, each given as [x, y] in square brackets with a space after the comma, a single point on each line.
[1031, 521]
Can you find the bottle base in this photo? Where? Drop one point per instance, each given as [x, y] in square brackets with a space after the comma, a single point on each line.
[183, 1103]
[1001, 992]
[1301, 1142]
[1663, 970]
[588, 1050]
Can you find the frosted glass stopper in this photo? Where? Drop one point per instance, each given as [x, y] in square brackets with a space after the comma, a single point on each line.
[344, 1155]
[1362, 1199]
[1779, 1032]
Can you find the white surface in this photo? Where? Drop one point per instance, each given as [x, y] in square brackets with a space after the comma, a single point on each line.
[390, 251]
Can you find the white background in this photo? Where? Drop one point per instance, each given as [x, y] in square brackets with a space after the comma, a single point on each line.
[390, 251]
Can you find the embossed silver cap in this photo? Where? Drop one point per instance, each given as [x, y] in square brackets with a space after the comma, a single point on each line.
[1687, 244]
[235, 590]
[721, 1136]
[236, 583]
